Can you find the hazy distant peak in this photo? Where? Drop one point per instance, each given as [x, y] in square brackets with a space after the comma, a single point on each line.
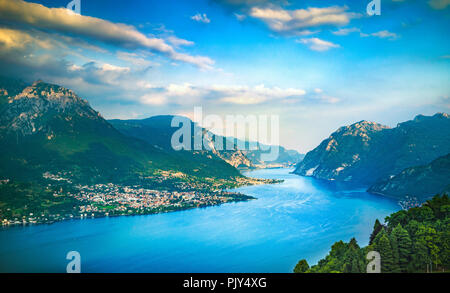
[437, 115]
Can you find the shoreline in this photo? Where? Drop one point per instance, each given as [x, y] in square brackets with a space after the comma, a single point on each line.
[99, 216]
[233, 197]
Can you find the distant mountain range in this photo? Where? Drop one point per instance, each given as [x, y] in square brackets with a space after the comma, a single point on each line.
[389, 160]
[157, 131]
[48, 128]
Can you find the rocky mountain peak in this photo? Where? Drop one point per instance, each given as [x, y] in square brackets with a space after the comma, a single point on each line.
[362, 129]
[365, 151]
[28, 112]
[50, 92]
[362, 126]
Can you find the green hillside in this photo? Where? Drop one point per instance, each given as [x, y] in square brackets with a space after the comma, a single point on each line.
[49, 128]
[421, 182]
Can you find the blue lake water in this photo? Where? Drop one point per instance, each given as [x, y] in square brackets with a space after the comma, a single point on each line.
[299, 218]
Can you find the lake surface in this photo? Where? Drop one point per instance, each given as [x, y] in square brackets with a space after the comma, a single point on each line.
[299, 218]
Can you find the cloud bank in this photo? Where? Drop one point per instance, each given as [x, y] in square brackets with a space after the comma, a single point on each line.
[63, 21]
[285, 21]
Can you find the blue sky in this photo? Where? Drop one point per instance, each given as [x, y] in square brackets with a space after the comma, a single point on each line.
[317, 64]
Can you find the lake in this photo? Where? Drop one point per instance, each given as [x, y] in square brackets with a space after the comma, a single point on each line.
[299, 218]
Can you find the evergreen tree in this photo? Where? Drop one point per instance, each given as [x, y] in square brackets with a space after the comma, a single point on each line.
[412, 228]
[404, 246]
[301, 267]
[376, 229]
[385, 250]
[409, 242]
[395, 255]
[419, 258]
[430, 237]
[445, 251]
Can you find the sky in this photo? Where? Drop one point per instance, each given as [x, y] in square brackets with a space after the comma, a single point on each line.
[318, 65]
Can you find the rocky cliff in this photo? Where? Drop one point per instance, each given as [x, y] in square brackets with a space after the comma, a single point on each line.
[366, 152]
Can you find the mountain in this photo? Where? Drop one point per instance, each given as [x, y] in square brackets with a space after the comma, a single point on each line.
[158, 132]
[422, 182]
[345, 155]
[254, 152]
[48, 128]
[366, 152]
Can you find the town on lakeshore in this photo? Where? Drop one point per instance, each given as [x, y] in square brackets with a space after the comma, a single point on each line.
[171, 191]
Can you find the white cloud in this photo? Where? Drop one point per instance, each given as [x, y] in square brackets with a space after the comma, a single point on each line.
[63, 21]
[318, 91]
[180, 94]
[201, 18]
[317, 44]
[303, 33]
[155, 100]
[11, 39]
[319, 95]
[385, 34]
[289, 21]
[346, 31]
[110, 67]
[329, 99]
[136, 59]
[179, 42]
[244, 95]
[189, 94]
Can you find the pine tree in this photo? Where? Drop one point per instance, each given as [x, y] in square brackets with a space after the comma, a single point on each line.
[301, 267]
[395, 255]
[404, 245]
[420, 257]
[376, 229]
[385, 250]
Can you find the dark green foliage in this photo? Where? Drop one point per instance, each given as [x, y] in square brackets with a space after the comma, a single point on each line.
[420, 258]
[301, 267]
[60, 132]
[46, 128]
[343, 257]
[410, 242]
[419, 181]
[404, 246]
[23, 199]
[157, 131]
[385, 249]
[376, 229]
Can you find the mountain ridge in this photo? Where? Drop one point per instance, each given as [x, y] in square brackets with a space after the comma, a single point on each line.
[156, 130]
[422, 182]
[47, 126]
[367, 152]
